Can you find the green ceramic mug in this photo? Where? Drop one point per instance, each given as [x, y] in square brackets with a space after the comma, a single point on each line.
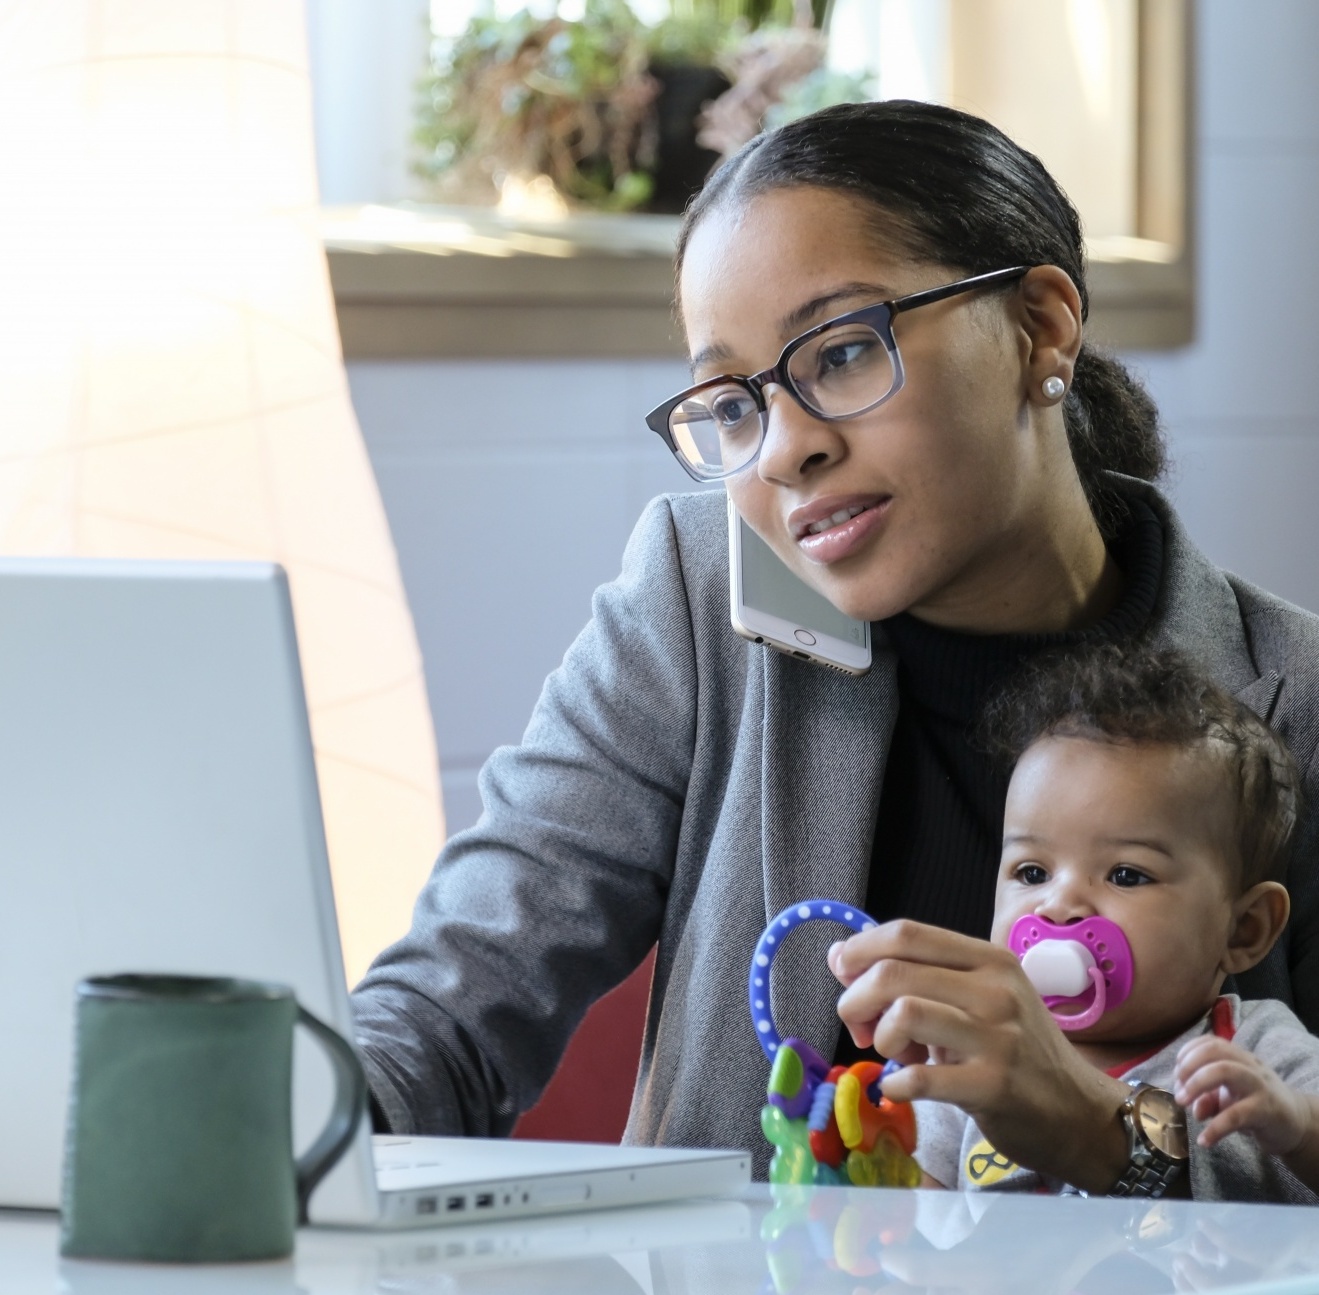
[180, 1141]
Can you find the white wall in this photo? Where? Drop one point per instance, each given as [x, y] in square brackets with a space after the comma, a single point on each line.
[511, 487]
[1242, 403]
[365, 62]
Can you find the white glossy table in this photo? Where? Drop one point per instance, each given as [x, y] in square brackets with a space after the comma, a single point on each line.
[816, 1243]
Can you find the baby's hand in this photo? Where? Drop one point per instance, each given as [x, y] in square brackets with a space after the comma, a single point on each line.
[1237, 1093]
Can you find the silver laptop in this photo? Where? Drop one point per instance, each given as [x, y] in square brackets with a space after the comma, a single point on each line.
[159, 812]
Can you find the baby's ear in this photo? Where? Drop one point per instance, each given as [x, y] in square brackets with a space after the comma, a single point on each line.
[1257, 920]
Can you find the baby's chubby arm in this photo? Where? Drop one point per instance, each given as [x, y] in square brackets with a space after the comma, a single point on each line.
[1235, 1092]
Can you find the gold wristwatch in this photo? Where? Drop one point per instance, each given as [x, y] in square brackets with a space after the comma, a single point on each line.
[1156, 1137]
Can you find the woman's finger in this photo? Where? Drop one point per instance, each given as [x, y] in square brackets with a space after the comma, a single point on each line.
[922, 1022]
[908, 941]
[874, 992]
[929, 1083]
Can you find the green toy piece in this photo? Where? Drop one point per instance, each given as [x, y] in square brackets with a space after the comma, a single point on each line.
[787, 1074]
[793, 1163]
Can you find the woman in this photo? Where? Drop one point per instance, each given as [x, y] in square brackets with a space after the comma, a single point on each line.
[677, 784]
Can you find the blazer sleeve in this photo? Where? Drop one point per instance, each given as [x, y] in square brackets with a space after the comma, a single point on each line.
[558, 891]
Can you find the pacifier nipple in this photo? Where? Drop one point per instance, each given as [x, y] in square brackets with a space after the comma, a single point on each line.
[1058, 967]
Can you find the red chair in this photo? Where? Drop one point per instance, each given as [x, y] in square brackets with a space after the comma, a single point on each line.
[588, 1098]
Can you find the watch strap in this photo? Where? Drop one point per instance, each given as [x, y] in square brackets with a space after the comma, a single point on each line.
[1151, 1179]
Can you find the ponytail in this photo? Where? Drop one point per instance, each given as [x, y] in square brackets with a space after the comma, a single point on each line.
[1112, 426]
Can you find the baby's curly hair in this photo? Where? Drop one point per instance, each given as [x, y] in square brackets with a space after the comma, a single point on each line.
[1120, 693]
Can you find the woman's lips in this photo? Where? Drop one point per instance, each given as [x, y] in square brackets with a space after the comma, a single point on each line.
[842, 539]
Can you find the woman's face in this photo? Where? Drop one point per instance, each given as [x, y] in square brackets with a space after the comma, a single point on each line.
[947, 475]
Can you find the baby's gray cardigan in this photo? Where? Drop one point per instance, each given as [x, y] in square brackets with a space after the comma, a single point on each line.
[677, 784]
[1234, 1170]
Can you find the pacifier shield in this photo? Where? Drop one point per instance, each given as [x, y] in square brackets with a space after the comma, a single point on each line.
[1101, 939]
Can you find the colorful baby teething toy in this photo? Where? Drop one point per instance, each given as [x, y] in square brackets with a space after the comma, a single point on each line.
[1085, 965]
[828, 1124]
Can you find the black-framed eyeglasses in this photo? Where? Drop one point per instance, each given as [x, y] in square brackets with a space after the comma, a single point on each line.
[839, 369]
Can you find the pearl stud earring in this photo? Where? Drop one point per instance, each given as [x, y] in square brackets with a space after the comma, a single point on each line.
[1053, 387]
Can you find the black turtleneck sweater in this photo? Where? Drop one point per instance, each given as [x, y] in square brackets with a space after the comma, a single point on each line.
[939, 831]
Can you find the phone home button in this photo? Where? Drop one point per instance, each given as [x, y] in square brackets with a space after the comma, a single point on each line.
[804, 636]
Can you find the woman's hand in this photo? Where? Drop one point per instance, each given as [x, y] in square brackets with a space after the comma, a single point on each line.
[916, 992]
[1236, 1092]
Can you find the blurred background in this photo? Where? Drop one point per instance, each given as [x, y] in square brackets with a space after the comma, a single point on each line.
[487, 223]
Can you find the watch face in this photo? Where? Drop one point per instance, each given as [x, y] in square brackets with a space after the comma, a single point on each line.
[1163, 1122]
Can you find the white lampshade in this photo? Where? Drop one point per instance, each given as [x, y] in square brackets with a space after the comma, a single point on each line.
[171, 381]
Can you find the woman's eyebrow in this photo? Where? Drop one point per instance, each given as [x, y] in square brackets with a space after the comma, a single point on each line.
[708, 354]
[795, 320]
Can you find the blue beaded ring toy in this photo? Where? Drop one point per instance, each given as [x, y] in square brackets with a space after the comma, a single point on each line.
[811, 910]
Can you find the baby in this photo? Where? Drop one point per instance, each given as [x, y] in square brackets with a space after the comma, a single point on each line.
[1148, 823]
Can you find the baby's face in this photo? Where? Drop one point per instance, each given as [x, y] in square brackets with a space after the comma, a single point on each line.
[1140, 834]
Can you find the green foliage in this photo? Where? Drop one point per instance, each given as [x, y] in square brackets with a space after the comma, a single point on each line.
[565, 99]
[697, 40]
[748, 13]
[575, 100]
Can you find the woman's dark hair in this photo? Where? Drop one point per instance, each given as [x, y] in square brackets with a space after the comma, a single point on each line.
[1123, 694]
[959, 192]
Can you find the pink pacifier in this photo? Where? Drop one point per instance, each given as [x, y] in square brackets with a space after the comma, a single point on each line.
[1086, 964]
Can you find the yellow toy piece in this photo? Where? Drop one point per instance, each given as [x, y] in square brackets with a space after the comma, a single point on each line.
[861, 1121]
[886, 1164]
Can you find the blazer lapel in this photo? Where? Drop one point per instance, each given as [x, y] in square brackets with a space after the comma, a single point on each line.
[1262, 695]
[1198, 612]
[826, 740]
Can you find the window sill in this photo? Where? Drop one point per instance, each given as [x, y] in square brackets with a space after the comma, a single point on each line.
[416, 283]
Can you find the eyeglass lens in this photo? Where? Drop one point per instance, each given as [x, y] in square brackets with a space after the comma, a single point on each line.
[843, 371]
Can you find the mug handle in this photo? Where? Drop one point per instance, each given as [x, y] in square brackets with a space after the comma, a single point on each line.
[349, 1105]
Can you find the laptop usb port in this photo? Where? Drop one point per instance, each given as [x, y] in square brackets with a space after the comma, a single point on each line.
[455, 1203]
[485, 1200]
[428, 1205]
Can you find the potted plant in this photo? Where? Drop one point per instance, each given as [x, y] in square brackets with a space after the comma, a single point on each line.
[685, 51]
[523, 97]
[696, 54]
[606, 110]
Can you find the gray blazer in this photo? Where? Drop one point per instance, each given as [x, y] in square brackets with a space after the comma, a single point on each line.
[677, 784]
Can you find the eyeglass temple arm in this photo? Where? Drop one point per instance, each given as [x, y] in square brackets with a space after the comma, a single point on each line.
[930, 295]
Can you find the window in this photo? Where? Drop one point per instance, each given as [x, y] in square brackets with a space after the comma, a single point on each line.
[1096, 88]
[1100, 89]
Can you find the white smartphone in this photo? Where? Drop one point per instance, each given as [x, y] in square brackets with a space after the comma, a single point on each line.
[771, 605]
